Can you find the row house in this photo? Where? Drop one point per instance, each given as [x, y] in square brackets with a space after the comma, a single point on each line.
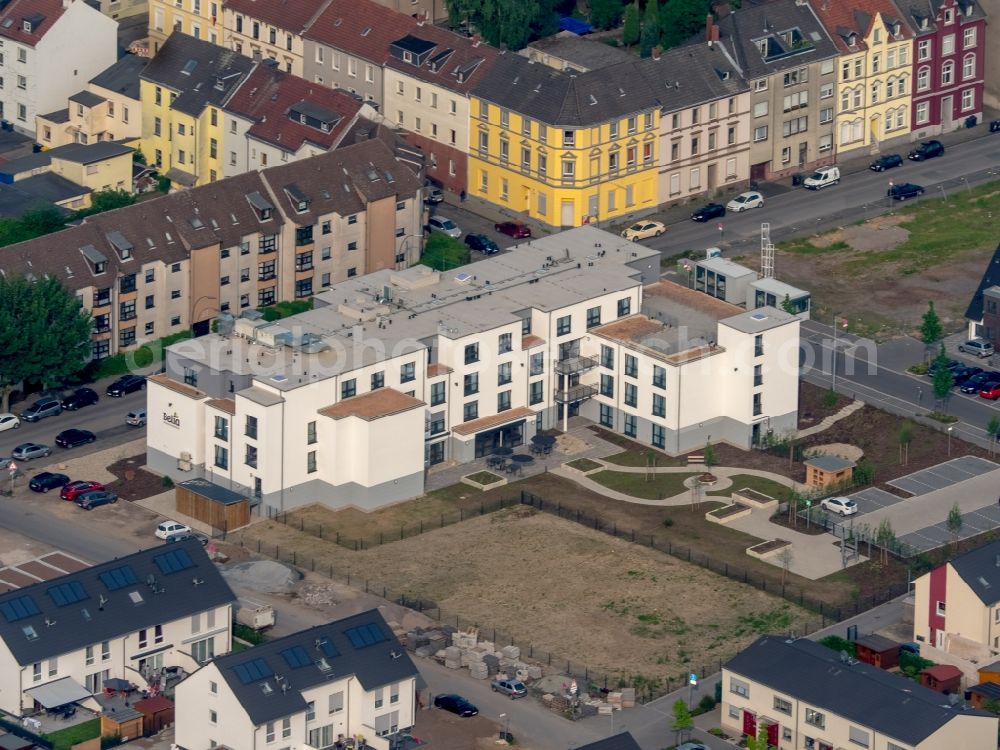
[991, 40]
[790, 64]
[270, 31]
[108, 109]
[51, 48]
[201, 19]
[874, 83]
[949, 64]
[134, 618]
[174, 264]
[431, 367]
[343, 680]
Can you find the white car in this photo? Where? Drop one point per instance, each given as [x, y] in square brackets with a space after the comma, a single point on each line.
[168, 529]
[444, 224]
[843, 506]
[9, 422]
[643, 229]
[743, 201]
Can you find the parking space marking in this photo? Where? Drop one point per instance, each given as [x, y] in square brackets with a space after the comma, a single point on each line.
[944, 474]
[872, 498]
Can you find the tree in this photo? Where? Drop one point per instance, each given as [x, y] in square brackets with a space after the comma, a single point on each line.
[605, 14]
[44, 333]
[905, 436]
[510, 22]
[680, 19]
[785, 556]
[760, 741]
[885, 537]
[709, 455]
[930, 329]
[649, 37]
[630, 32]
[788, 306]
[954, 522]
[683, 721]
[993, 432]
[943, 379]
[107, 200]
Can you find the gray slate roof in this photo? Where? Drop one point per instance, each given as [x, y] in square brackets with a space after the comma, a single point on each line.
[123, 76]
[203, 74]
[58, 117]
[621, 741]
[374, 665]
[863, 694]
[87, 98]
[83, 620]
[15, 201]
[916, 11]
[587, 53]
[75, 152]
[876, 642]
[685, 76]
[980, 569]
[52, 187]
[829, 463]
[740, 30]
[991, 277]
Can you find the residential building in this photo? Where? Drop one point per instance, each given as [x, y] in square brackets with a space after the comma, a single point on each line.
[983, 313]
[101, 166]
[569, 51]
[42, 191]
[183, 90]
[808, 695]
[949, 63]
[121, 9]
[992, 41]
[50, 49]
[565, 148]
[345, 679]
[177, 262]
[621, 741]
[790, 62]
[200, 19]
[107, 110]
[704, 129]
[274, 117]
[430, 367]
[130, 619]
[874, 86]
[270, 31]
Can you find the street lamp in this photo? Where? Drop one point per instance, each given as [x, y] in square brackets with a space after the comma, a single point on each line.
[950, 428]
[403, 239]
[506, 727]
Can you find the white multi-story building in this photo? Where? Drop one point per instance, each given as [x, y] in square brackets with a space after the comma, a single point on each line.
[346, 679]
[396, 371]
[51, 48]
[61, 640]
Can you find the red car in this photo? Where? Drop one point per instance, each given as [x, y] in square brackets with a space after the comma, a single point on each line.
[74, 489]
[513, 229]
[990, 391]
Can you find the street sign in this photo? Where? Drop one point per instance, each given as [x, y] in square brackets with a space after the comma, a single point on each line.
[693, 679]
[809, 503]
[12, 468]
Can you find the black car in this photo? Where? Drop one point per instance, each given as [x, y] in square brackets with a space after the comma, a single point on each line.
[126, 384]
[47, 480]
[927, 150]
[709, 212]
[977, 382]
[886, 161]
[964, 372]
[456, 704]
[73, 437]
[79, 398]
[951, 364]
[91, 500]
[185, 535]
[904, 191]
[482, 243]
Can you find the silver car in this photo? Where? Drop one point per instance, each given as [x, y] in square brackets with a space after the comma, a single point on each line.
[43, 407]
[980, 347]
[28, 451]
[445, 225]
[512, 688]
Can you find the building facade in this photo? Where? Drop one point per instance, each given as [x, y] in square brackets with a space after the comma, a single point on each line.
[201, 19]
[269, 31]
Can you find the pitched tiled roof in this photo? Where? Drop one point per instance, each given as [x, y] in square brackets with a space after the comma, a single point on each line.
[201, 73]
[922, 15]
[991, 277]
[620, 741]
[271, 98]
[688, 75]
[360, 27]
[290, 15]
[123, 76]
[452, 61]
[842, 19]
[980, 569]
[41, 14]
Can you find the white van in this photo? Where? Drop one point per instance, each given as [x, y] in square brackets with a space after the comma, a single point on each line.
[822, 177]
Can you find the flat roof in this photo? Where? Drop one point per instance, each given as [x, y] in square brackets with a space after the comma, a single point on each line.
[779, 288]
[213, 492]
[383, 402]
[759, 320]
[183, 388]
[485, 423]
[726, 266]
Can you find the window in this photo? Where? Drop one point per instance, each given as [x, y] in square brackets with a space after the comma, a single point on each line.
[470, 385]
[923, 112]
[815, 718]
[631, 395]
[593, 317]
[795, 125]
[407, 372]
[826, 91]
[659, 377]
[968, 67]
[798, 100]
[968, 99]
[286, 727]
[608, 386]
[438, 393]
[659, 405]
[624, 307]
[105, 650]
[250, 459]
[760, 134]
[213, 717]
[336, 702]
[947, 73]
[503, 373]
[631, 366]
[470, 411]
[536, 365]
[435, 424]
[739, 687]
[758, 408]
[758, 345]
[607, 416]
[503, 401]
[923, 50]
[780, 704]
[969, 38]
[826, 115]
[569, 138]
[760, 109]
[536, 393]
[471, 353]
[923, 79]
[948, 44]
[564, 325]
[607, 357]
[349, 388]
[568, 169]
[629, 426]
[940, 608]
[221, 457]
[36, 671]
[858, 736]
[269, 732]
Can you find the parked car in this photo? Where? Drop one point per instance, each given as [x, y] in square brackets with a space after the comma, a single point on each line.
[512, 688]
[28, 451]
[9, 422]
[186, 535]
[136, 418]
[991, 391]
[91, 500]
[78, 487]
[643, 229]
[962, 373]
[821, 178]
[514, 229]
[79, 398]
[433, 195]
[979, 347]
[927, 150]
[43, 407]
[886, 161]
[843, 506]
[47, 480]
[744, 201]
[951, 364]
[168, 528]
[126, 384]
[904, 191]
[482, 243]
[977, 382]
[443, 224]
[73, 437]
[709, 212]
[691, 746]
[456, 704]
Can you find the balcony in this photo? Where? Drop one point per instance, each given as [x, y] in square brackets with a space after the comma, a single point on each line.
[574, 365]
[574, 394]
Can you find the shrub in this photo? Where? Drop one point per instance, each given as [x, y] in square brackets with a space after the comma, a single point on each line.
[668, 522]
[830, 398]
[168, 482]
[837, 643]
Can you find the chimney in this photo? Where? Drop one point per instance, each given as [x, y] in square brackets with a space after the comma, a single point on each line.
[476, 39]
[715, 33]
[709, 25]
[656, 52]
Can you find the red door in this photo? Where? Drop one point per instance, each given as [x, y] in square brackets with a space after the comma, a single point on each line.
[772, 735]
[749, 724]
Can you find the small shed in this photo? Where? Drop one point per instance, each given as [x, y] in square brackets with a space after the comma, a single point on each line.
[119, 718]
[212, 504]
[878, 651]
[984, 692]
[723, 279]
[944, 678]
[157, 712]
[825, 471]
[990, 673]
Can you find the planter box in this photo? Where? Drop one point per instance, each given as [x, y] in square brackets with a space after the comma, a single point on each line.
[754, 498]
[467, 479]
[769, 549]
[728, 513]
[584, 472]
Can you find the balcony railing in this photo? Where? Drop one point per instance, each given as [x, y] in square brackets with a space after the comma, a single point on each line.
[574, 394]
[574, 365]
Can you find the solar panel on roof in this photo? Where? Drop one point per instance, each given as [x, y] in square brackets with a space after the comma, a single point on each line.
[118, 578]
[296, 657]
[174, 561]
[252, 671]
[365, 635]
[68, 593]
[19, 608]
[327, 647]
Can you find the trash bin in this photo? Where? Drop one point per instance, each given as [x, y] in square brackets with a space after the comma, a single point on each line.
[798, 179]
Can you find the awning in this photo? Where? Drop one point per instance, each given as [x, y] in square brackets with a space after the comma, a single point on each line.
[59, 693]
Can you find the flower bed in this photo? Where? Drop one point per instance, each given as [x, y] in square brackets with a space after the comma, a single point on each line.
[484, 480]
[765, 550]
[754, 498]
[727, 513]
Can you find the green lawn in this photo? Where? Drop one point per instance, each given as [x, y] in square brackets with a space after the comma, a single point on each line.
[442, 252]
[64, 739]
[760, 484]
[660, 486]
[583, 464]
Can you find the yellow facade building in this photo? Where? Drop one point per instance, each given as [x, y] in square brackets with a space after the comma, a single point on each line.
[874, 86]
[201, 19]
[182, 91]
[564, 149]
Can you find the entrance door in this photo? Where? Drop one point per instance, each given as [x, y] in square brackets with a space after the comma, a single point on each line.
[257, 487]
[803, 154]
[526, 200]
[759, 171]
[946, 112]
[712, 177]
[566, 217]
[939, 639]
[755, 435]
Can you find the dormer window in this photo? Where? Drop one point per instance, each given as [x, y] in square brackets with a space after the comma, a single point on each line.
[260, 205]
[121, 245]
[407, 57]
[98, 261]
[26, 26]
[949, 15]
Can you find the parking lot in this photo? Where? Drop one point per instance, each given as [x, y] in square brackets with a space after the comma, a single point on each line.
[943, 475]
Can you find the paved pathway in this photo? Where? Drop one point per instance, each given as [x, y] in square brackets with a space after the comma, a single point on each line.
[829, 421]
